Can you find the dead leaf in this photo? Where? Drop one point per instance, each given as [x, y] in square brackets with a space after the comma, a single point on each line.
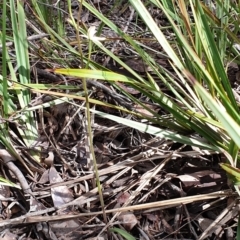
[137, 65]
[128, 220]
[66, 229]
[152, 217]
[35, 205]
[204, 223]
[188, 180]
[61, 194]
[202, 178]
[8, 236]
[123, 198]
[140, 109]
[44, 178]
[128, 89]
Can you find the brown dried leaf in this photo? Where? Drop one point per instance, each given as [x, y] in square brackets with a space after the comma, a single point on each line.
[188, 180]
[44, 178]
[61, 194]
[200, 178]
[204, 223]
[128, 220]
[8, 236]
[35, 205]
[66, 230]
[137, 65]
[128, 89]
[140, 109]
[152, 217]
[123, 198]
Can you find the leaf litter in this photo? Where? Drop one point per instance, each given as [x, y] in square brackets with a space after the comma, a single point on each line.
[151, 186]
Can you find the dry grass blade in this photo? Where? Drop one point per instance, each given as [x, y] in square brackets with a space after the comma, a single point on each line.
[229, 213]
[28, 218]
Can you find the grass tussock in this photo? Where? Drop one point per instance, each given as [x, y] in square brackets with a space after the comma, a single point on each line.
[119, 119]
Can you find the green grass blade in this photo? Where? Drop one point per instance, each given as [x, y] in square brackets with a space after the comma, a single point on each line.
[227, 121]
[123, 233]
[166, 134]
[238, 229]
[4, 63]
[22, 58]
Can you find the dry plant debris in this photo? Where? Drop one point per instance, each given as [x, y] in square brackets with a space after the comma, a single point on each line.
[153, 188]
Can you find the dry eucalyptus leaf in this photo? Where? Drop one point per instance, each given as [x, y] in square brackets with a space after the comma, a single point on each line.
[204, 223]
[199, 178]
[35, 205]
[66, 229]
[128, 220]
[123, 198]
[188, 180]
[61, 194]
[44, 178]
